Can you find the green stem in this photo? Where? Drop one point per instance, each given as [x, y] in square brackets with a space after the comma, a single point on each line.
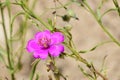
[101, 25]
[63, 5]
[33, 5]
[30, 12]
[78, 57]
[23, 38]
[93, 48]
[7, 44]
[107, 12]
[34, 68]
[10, 47]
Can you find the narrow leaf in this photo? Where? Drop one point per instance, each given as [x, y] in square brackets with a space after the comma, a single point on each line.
[34, 65]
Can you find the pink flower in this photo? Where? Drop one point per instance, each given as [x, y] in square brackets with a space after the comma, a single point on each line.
[46, 43]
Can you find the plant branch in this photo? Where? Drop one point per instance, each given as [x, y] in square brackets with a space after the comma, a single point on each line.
[101, 25]
[78, 57]
[7, 44]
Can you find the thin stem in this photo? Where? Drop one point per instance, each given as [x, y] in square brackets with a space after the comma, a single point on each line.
[7, 44]
[117, 6]
[63, 5]
[55, 16]
[52, 66]
[23, 36]
[93, 48]
[98, 73]
[34, 66]
[30, 13]
[10, 47]
[8, 5]
[107, 12]
[76, 54]
[25, 25]
[101, 25]
[91, 67]
[33, 5]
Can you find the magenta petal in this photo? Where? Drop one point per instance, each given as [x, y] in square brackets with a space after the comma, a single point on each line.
[57, 38]
[32, 46]
[55, 50]
[46, 42]
[40, 35]
[43, 54]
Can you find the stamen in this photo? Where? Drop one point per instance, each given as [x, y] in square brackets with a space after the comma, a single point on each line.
[44, 41]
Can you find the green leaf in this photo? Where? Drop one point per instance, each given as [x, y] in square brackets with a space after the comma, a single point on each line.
[34, 65]
[103, 68]
[93, 48]
[82, 51]
[50, 22]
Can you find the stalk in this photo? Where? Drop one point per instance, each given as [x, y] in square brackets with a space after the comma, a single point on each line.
[101, 25]
[7, 44]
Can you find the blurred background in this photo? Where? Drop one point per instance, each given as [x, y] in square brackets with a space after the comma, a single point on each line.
[86, 34]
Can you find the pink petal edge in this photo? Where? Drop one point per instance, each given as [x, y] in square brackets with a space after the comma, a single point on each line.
[32, 46]
[42, 54]
[57, 38]
[56, 50]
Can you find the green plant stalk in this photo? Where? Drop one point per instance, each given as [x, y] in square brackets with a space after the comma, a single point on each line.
[10, 47]
[63, 5]
[23, 39]
[107, 12]
[96, 46]
[13, 19]
[34, 3]
[29, 12]
[34, 68]
[8, 5]
[78, 57]
[7, 44]
[55, 70]
[101, 25]
[9, 14]
[24, 28]
[117, 6]
[77, 54]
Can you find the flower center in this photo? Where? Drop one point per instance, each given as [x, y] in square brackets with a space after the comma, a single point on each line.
[44, 42]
